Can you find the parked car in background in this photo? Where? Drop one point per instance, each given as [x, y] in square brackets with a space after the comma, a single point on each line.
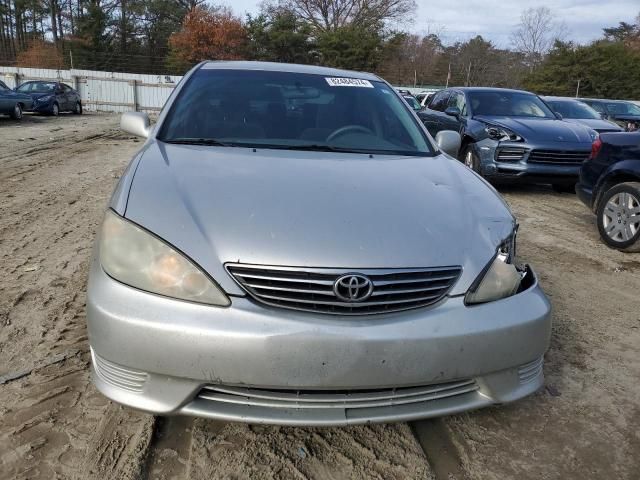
[574, 111]
[52, 97]
[511, 135]
[625, 114]
[411, 100]
[337, 269]
[13, 103]
[423, 98]
[610, 186]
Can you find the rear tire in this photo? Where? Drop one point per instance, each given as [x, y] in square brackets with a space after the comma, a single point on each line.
[564, 187]
[77, 110]
[55, 110]
[16, 114]
[618, 217]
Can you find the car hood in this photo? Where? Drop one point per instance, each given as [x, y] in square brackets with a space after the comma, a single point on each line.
[595, 124]
[541, 129]
[293, 208]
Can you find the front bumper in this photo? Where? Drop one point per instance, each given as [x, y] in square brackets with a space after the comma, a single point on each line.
[523, 170]
[256, 364]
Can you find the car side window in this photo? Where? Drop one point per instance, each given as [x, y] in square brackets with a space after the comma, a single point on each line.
[457, 100]
[66, 88]
[597, 107]
[439, 102]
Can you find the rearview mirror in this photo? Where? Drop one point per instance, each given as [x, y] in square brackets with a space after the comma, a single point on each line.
[136, 123]
[449, 142]
[452, 112]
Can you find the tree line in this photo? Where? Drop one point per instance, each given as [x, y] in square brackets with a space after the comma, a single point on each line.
[169, 36]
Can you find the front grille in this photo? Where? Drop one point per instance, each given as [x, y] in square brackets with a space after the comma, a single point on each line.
[510, 154]
[567, 157]
[117, 375]
[334, 399]
[312, 289]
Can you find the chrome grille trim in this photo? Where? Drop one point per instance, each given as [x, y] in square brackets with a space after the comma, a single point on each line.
[570, 157]
[510, 154]
[311, 289]
[117, 375]
[349, 399]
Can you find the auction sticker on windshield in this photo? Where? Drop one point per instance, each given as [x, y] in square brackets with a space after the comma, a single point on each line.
[348, 82]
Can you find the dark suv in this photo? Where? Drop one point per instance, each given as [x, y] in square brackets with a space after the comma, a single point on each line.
[610, 186]
[510, 135]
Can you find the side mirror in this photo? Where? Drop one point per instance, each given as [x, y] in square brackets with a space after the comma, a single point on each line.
[559, 115]
[449, 142]
[136, 123]
[453, 112]
[604, 116]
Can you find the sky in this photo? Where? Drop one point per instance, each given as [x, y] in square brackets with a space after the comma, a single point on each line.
[495, 19]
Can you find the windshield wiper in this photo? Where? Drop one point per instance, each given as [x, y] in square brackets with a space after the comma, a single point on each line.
[198, 141]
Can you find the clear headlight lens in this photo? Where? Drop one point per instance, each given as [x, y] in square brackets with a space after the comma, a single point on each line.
[502, 134]
[135, 257]
[501, 280]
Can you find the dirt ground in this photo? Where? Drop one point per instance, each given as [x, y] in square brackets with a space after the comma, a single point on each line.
[56, 175]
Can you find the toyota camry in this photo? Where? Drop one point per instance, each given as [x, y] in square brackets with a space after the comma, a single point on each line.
[291, 246]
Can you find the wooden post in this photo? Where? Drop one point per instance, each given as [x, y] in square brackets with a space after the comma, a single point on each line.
[134, 84]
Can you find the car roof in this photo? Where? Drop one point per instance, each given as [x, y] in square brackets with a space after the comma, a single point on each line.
[561, 99]
[602, 100]
[287, 67]
[489, 89]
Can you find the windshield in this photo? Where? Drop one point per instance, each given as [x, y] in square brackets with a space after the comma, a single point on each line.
[508, 104]
[623, 108]
[37, 87]
[293, 111]
[573, 109]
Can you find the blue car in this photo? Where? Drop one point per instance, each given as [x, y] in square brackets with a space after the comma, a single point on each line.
[13, 103]
[510, 135]
[610, 186]
[574, 111]
[52, 97]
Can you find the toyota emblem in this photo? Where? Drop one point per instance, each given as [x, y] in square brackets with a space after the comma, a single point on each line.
[353, 288]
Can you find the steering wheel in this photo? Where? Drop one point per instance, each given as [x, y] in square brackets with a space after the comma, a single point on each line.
[349, 129]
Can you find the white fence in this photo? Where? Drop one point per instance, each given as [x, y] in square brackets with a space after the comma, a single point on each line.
[104, 91]
[107, 91]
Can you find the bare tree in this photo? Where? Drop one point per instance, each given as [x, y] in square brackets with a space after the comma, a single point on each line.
[536, 33]
[327, 15]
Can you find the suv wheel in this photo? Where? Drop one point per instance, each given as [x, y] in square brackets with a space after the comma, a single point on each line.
[17, 112]
[470, 158]
[619, 217]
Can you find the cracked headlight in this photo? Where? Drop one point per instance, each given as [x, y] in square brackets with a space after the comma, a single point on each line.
[501, 278]
[502, 134]
[139, 259]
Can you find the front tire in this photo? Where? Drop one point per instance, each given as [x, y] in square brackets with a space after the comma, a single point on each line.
[470, 158]
[16, 114]
[55, 110]
[619, 217]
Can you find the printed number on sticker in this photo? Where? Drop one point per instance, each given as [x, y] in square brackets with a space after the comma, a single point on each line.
[348, 82]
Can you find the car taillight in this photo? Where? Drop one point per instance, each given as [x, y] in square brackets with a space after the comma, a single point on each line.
[596, 146]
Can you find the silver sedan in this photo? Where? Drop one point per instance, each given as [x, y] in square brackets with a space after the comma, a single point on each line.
[290, 246]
